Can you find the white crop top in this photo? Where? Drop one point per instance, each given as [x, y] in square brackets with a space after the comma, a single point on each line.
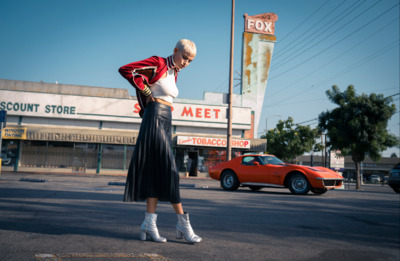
[165, 88]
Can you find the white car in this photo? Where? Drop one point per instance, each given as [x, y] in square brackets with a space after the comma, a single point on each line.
[375, 179]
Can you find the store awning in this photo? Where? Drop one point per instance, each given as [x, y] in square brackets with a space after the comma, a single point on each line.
[63, 134]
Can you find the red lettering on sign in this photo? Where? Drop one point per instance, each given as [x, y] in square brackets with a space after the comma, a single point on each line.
[198, 113]
[137, 108]
[187, 112]
[216, 112]
[207, 113]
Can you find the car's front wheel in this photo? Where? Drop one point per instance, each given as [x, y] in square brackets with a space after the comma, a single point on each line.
[229, 181]
[298, 184]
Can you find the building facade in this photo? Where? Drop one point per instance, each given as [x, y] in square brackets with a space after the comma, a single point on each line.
[71, 128]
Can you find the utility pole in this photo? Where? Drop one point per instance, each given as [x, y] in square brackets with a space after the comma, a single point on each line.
[229, 134]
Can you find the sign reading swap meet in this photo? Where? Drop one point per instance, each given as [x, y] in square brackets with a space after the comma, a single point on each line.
[211, 142]
[116, 110]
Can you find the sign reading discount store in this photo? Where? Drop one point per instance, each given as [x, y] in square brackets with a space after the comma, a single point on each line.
[212, 142]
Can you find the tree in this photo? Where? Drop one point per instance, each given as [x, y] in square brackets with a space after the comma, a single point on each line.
[357, 127]
[287, 140]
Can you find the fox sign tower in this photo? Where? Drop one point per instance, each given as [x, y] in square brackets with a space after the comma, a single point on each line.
[258, 45]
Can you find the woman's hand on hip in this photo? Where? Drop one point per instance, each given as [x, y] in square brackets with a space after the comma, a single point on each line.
[150, 98]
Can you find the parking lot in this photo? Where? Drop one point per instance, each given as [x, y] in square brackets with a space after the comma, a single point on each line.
[82, 217]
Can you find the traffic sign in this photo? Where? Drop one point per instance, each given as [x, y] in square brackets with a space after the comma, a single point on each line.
[3, 117]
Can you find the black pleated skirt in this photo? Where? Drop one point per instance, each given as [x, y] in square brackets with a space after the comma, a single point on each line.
[152, 171]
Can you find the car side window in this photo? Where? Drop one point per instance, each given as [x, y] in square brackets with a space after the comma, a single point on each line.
[259, 160]
[248, 161]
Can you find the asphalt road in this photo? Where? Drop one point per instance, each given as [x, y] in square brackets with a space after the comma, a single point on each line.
[78, 217]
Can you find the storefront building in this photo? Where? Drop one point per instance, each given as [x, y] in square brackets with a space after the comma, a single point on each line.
[71, 128]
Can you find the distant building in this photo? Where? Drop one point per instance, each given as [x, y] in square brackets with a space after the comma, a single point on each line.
[368, 167]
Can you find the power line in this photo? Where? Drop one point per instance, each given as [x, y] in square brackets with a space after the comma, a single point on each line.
[302, 35]
[393, 95]
[222, 87]
[292, 103]
[358, 64]
[300, 24]
[307, 30]
[335, 43]
[380, 30]
[346, 70]
[317, 35]
[315, 119]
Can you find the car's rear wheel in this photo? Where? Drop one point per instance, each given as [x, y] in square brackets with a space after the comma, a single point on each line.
[319, 191]
[255, 188]
[298, 184]
[229, 181]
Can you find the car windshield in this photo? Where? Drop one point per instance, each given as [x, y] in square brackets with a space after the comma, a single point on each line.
[271, 160]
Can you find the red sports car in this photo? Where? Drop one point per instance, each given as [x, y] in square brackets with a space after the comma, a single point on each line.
[262, 170]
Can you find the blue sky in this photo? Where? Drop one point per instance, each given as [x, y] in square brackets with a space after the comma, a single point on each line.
[320, 43]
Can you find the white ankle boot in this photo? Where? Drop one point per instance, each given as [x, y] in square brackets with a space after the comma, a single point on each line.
[183, 228]
[148, 229]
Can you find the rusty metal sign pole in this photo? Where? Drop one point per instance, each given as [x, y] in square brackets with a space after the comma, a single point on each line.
[229, 135]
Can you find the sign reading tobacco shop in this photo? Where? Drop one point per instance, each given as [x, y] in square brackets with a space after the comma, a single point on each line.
[212, 142]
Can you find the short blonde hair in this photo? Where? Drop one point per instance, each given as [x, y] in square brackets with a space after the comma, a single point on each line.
[186, 46]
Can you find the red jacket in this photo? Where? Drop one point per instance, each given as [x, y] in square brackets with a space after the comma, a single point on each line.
[143, 74]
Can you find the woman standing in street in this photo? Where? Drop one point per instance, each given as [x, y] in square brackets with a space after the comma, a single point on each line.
[152, 174]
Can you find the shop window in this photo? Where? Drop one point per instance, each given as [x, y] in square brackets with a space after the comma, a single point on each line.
[34, 154]
[51, 154]
[84, 157]
[60, 154]
[113, 156]
[76, 156]
[91, 155]
[213, 157]
[9, 150]
[181, 160]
